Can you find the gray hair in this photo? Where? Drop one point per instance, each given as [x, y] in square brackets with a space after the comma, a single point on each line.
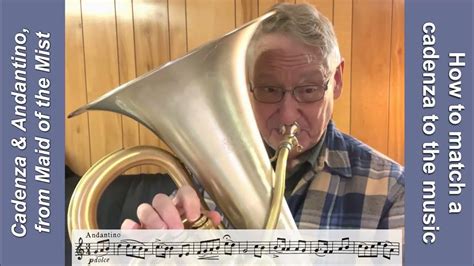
[305, 23]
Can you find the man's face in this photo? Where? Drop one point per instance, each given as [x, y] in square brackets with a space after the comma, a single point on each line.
[284, 62]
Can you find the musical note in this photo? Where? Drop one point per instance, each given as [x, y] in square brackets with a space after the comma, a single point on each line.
[387, 250]
[258, 250]
[365, 250]
[301, 246]
[135, 249]
[208, 247]
[281, 245]
[323, 248]
[228, 245]
[102, 247]
[246, 248]
[185, 250]
[162, 249]
[117, 249]
[345, 244]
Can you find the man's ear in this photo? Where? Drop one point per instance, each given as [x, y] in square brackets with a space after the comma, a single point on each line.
[338, 77]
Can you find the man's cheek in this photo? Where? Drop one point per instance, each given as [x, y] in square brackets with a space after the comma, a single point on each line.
[263, 123]
[304, 139]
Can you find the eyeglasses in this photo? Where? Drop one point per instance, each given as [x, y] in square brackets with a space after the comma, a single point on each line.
[302, 94]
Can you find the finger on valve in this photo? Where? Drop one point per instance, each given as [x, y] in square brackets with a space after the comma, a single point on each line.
[167, 211]
[188, 203]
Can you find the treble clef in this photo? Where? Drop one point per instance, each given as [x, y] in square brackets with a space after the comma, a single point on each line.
[79, 249]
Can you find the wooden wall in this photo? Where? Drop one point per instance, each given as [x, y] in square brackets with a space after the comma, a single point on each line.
[110, 42]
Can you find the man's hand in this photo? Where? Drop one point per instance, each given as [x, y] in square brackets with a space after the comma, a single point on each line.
[165, 212]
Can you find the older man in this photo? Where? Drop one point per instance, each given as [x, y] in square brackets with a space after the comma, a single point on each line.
[295, 72]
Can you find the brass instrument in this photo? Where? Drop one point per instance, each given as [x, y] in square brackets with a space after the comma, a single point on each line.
[199, 105]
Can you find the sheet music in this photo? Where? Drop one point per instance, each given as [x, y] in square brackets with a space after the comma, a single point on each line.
[143, 247]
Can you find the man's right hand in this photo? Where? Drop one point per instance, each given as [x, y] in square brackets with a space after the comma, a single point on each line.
[165, 212]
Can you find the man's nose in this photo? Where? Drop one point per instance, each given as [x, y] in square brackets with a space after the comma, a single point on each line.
[289, 111]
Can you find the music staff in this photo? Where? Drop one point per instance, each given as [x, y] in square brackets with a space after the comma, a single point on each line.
[212, 249]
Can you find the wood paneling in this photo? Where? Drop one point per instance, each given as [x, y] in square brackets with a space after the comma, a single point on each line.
[245, 11]
[78, 155]
[101, 65]
[126, 59]
[343, 27]
[151, 51]
[110, 42]
[178, 31]
[371, 34]
[396, 129]
[208, 19]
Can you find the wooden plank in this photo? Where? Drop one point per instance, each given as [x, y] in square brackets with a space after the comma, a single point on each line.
[208, 20]
[245, 11]
[343, 27]
[126, 60]
[77, 128]
[177, 28]
[396, 134]
[371, 72]
[100, 45]
[151, 51]
[151, 34]
[324, 6]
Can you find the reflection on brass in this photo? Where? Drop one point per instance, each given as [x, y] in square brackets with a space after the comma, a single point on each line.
[288, 142]
[82, 212]
[200, 107]
[203, 222]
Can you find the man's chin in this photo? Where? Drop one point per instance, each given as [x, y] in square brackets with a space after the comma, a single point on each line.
[275, 144]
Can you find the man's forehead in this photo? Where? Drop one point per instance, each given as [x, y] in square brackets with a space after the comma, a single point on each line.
[282, 58]
[285, 51]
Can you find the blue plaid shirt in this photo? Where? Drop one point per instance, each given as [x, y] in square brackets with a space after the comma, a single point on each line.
[348, 186]
[345, 184]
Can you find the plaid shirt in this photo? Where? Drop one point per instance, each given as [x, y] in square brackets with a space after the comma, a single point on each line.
[349, 186]
[345, 184]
